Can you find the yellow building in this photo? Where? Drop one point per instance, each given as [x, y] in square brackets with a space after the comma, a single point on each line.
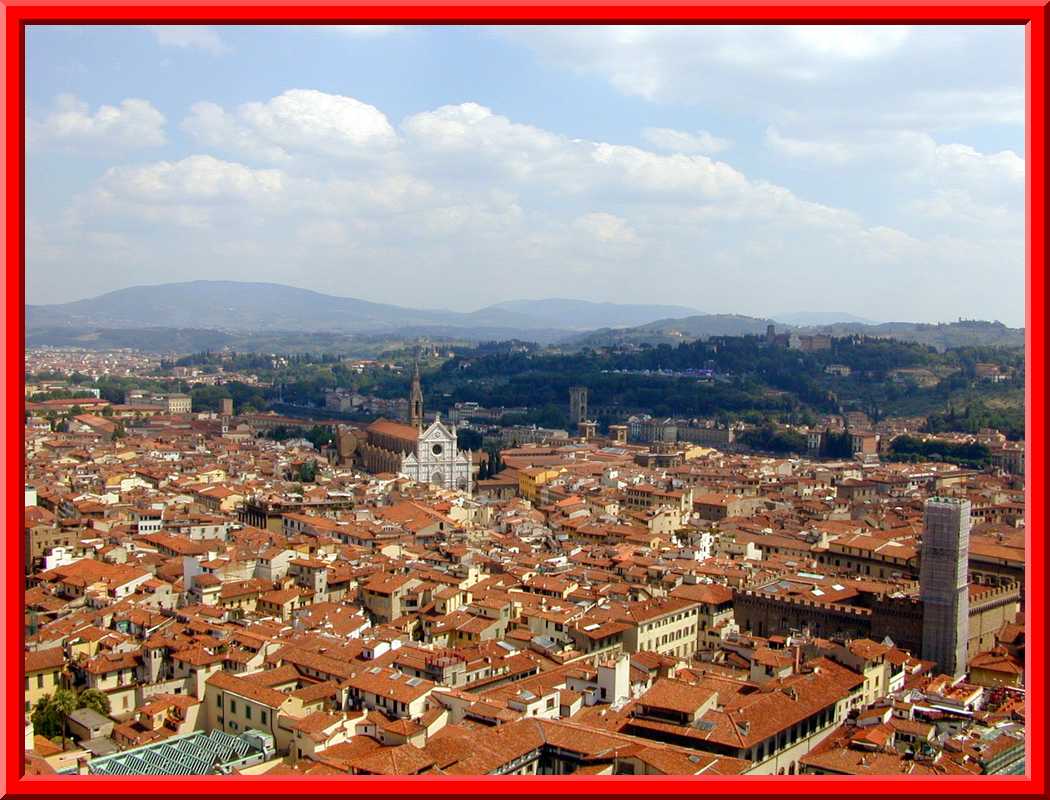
[237, 704]
[531, 479]
[43, 674]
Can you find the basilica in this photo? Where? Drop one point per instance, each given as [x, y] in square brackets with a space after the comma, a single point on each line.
[427, 455]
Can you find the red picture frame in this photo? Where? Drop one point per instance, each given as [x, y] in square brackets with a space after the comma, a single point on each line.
[18, 13]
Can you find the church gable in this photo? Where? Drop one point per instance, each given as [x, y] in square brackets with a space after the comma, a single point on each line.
[437, 432]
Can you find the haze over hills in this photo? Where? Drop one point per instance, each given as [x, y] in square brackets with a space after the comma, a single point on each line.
[586, 315]
[964, 333]
[804, 318]
[672, 331]
[248, 314]
[236, 306]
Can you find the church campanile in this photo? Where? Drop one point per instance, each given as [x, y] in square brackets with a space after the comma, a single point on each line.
[415, 401]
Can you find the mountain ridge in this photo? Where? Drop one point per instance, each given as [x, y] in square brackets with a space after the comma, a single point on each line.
[246, 306]
[276, 310]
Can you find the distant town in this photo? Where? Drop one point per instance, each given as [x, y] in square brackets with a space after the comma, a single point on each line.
[777, 553]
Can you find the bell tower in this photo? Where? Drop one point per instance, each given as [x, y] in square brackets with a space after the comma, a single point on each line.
[415, 401]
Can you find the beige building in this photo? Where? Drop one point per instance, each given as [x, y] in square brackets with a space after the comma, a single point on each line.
[668, 626]
[43, 674]
[179, 403]
[393, 692]
[236, 704]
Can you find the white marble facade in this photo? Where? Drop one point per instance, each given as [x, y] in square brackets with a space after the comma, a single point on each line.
[437, 459]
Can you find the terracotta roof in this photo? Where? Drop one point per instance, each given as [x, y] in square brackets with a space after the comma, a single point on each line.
[38, 660]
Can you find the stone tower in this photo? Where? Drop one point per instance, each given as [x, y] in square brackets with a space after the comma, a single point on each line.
[943, 579]
[415, 401]
[577, 404]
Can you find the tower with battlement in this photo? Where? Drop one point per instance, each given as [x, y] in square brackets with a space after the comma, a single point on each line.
[943, 583]
[577, 404]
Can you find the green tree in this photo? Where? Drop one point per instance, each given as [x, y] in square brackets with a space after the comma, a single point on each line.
[308, 471]
[49, 716]
[94, 699]
[467, 439]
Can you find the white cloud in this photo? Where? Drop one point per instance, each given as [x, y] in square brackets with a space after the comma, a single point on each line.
[848, 42]
[201, 177]
[828, 75]
[665, 61]
[826, 151]
[917, 158]
[607, 228]
[465, 192]
[324, 232]
[490, 143]
[200, 37]
[297, 122]
[71, 125]
[195, 192]
[683, 142]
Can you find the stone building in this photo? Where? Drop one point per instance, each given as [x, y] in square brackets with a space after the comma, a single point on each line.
[427, 456]
[943, 580]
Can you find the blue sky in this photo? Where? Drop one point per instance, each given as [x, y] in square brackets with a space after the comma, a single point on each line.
[753, 170]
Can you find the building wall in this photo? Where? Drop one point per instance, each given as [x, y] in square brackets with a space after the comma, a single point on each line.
[437, 460]
[673, 634]
[41, 684]
[943, 583]
[577, 404]
[766, 616]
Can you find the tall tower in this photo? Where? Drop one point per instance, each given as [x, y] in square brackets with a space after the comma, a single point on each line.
[415, 401]
[577, 404]
[943, 579]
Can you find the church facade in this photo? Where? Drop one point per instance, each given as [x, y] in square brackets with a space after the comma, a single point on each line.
[437, 459]
[429, 455]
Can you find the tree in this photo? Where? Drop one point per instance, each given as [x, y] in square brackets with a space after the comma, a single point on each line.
[49, 716]
[94, 699]
[468, 440]
[308, 471]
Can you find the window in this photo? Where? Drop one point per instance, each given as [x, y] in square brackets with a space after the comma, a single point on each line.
[264, 717]
[39, 681]
[248, 712]
[218, 700]
[233, 706]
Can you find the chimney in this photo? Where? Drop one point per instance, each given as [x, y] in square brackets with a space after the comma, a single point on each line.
[82, 765]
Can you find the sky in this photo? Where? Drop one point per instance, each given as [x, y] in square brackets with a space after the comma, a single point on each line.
[752, 170]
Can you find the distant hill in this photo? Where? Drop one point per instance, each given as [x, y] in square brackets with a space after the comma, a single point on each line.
[672, 331]
[585, 315]
[803, 318]
[240, 314]
[149, 340]
[964, 333]
[234, 306]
